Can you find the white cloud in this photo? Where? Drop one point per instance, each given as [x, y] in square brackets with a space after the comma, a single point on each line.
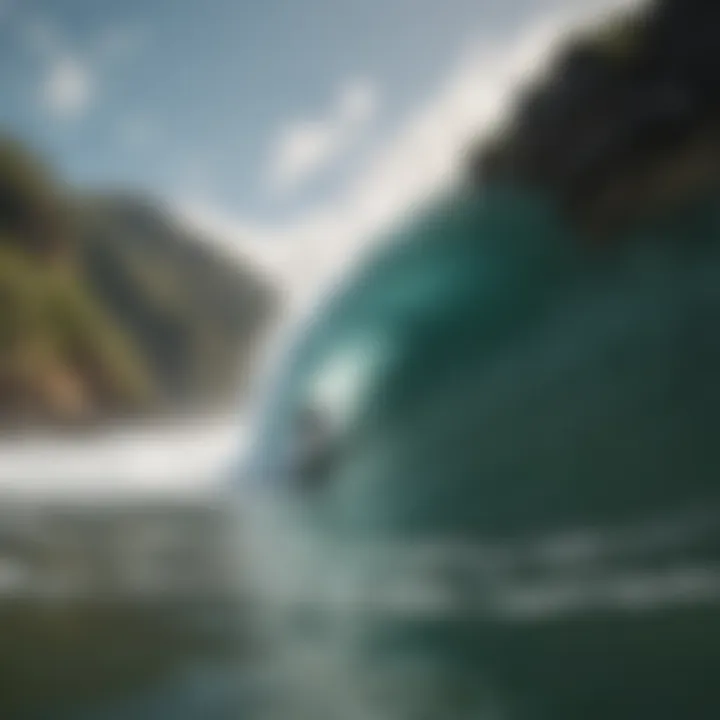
[304, 147]
[71, 75]
[68, 87]
[67, 80]
[357, 103]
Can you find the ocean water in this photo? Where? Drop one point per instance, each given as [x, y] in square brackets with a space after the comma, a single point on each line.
[585, 495]
[117, 585]
[93, 660]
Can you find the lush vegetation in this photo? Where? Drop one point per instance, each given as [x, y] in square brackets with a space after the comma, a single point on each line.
[108, 307]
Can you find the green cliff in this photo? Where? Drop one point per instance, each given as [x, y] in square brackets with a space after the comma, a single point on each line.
[110, 308]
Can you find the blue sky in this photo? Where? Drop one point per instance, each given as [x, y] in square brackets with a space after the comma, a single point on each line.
[261, 117]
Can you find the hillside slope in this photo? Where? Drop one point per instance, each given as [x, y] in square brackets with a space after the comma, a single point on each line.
[191, 310]
[110, 308]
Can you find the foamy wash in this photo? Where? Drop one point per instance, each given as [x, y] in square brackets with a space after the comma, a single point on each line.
[488, 483]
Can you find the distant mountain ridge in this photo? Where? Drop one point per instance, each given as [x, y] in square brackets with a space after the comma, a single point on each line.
[112, 307]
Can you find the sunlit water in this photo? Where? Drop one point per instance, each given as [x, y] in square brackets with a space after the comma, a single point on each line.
[100, 657]
[192, 454]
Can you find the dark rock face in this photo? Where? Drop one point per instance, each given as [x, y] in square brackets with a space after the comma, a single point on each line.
[628, 121]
